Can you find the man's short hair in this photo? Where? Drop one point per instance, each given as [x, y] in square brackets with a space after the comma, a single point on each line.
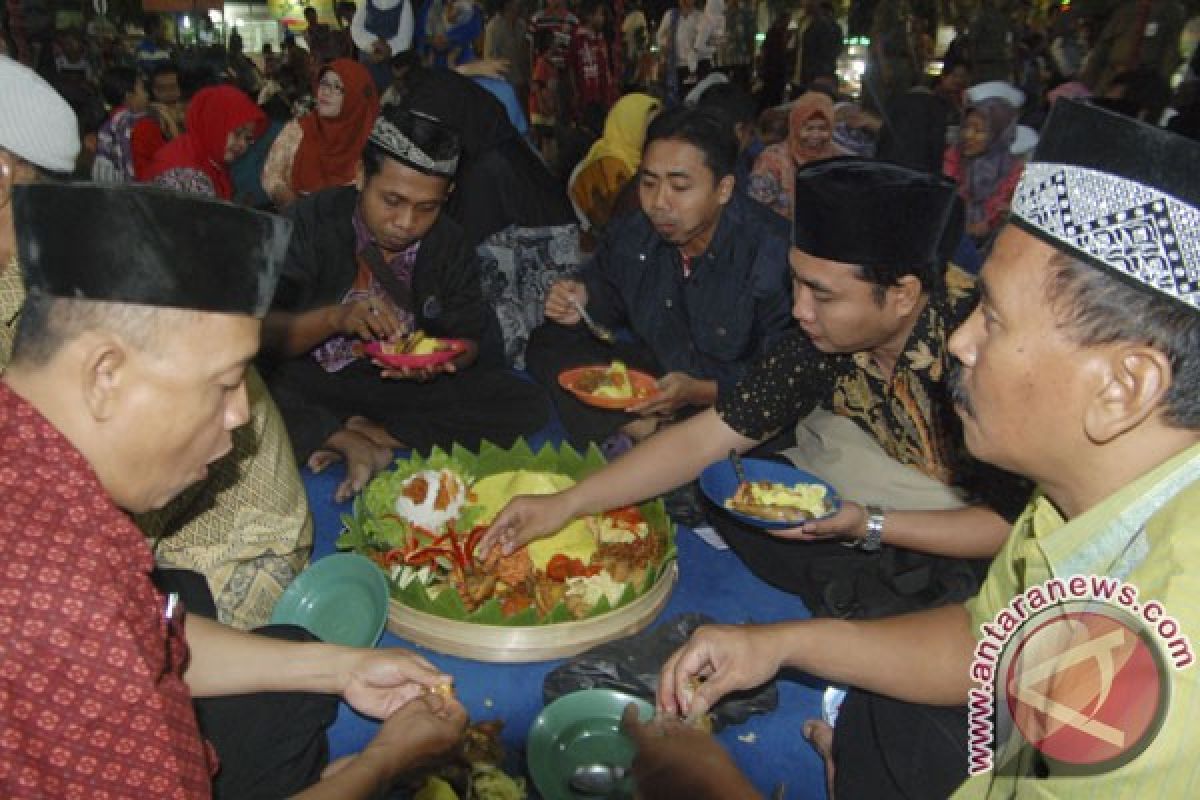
[116, 83]
[1096, 308]
[48, 323]
[732, 102]
[165, 68]
[704, 129]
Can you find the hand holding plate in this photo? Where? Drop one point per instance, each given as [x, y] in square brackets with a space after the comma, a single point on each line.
[850, 522]
[675, 390]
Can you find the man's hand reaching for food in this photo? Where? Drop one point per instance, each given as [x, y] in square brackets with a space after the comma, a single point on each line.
[368, 319]
[525, 519]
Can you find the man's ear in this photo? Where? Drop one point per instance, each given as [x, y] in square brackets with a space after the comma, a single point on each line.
[725, 188]
[1134, 381]
[906, 294]
[103, 369]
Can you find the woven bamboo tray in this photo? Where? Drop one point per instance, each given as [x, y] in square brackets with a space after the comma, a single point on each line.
[509, 645]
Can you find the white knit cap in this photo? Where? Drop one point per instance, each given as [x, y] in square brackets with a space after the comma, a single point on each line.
[36, 123]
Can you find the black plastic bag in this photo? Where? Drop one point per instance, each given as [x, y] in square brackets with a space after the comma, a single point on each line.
[631, 665]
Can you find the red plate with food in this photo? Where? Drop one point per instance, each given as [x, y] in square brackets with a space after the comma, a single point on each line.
[408, 354]
[614, 387]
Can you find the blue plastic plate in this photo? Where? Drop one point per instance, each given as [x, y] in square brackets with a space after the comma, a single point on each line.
[343, 598]
[718, 482]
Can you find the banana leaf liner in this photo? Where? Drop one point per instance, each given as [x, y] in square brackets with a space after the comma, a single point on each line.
[371, 526]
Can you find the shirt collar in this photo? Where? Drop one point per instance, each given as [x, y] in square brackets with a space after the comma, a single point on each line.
[925, 343]
[1061, 540]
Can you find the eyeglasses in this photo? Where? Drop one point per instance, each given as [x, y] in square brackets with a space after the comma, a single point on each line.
[336, 88]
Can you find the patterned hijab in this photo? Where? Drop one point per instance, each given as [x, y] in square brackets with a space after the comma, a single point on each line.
[330, 150]
[983, 173]
[809, 105]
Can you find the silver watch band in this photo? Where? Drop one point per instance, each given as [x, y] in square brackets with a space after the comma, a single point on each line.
[874, 538]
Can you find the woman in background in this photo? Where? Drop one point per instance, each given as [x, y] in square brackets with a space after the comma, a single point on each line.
[983, 166]
[810, 138]
[612, 161]
[222, 122]
[323, 148]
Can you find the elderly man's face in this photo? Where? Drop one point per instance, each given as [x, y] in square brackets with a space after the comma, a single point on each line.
[1024, 383]
[399, 204]
[836, 309]
[179, 406]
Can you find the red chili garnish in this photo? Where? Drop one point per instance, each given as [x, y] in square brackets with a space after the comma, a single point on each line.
[630, 516]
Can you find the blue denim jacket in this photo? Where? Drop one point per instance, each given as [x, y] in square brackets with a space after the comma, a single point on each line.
[713, 324]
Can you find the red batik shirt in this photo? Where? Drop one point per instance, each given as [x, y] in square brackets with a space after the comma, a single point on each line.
[92, 699]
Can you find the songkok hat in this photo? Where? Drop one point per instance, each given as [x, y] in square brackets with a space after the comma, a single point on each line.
[1002, 90]
[417, 140]
[149, 246]
[861, 211]
[36, 123]
[1119, 194]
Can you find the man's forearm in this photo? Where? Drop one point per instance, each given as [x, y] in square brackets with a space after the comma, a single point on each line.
[289, 334]
[972, 532]
[667, 459]
[923, 657]
[226, 661]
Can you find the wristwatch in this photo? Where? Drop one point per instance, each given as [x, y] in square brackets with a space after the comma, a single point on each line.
[874, 538]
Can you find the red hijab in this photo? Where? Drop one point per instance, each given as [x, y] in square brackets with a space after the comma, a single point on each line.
[329, 153]
[212, 115]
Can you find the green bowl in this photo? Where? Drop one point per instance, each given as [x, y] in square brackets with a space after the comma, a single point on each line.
[578, 729]
[343, 598]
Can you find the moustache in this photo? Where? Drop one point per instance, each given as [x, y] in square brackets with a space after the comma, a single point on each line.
[958, 391]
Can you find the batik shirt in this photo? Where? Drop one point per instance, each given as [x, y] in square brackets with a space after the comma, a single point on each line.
[92, 698]
[909, 414]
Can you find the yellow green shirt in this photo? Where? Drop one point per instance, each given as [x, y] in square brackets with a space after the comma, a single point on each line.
[1162, 561]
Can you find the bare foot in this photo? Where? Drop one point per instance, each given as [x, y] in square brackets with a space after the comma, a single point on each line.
[373, 431]
[820, 735]
[363, 459]
[640, 429]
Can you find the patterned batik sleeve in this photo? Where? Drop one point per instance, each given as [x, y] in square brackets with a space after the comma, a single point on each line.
[788, 382]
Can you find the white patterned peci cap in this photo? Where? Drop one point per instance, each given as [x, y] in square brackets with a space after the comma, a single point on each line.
[1109, 189]
[397, 132]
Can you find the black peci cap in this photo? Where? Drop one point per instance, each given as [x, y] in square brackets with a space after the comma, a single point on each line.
[148, 246]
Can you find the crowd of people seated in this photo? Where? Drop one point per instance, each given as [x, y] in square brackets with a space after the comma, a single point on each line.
[968, 301]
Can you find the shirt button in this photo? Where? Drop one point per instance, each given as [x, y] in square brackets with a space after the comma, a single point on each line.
[669, 304]
[720, 331]
[641, 256]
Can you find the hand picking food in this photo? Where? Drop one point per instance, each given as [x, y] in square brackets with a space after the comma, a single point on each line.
[422, 523]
